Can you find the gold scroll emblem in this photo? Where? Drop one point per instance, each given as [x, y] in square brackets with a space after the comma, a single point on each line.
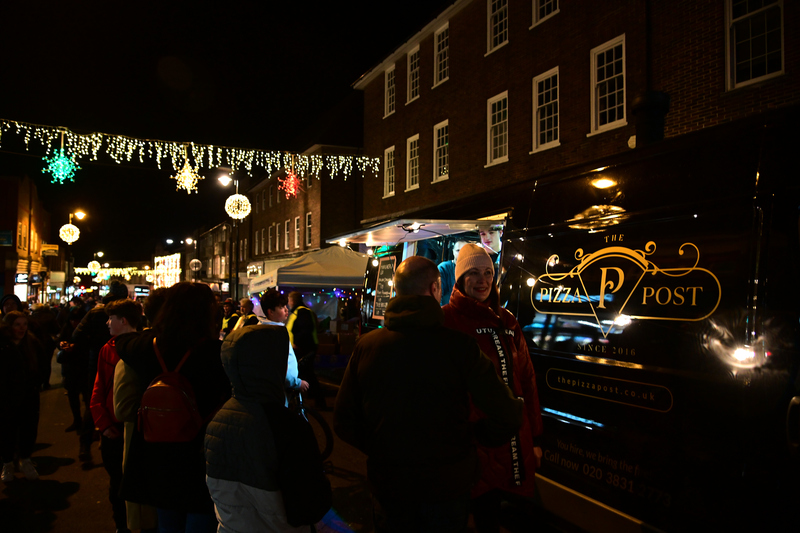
[617, 281]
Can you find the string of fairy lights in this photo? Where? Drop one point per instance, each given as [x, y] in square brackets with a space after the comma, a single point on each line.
[186, 158]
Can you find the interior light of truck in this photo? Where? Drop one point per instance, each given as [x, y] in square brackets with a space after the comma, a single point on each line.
[370, 251]
[603, 183]
[374, 262]
[519, 257]
[743, 354]
[342, 243]
[530, 282]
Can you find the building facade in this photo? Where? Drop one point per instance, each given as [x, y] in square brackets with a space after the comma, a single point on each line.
[500, 92]
[24, 229]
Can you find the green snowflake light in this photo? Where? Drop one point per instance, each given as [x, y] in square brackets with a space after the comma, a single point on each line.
[61, 167]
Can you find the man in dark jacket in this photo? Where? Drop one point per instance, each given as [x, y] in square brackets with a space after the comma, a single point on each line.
[405, 402]
[302, 326]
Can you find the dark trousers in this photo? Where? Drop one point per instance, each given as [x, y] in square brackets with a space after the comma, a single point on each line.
[74, 396]
[19, 428]
[305, 371]
[111, 452]
[403, 517]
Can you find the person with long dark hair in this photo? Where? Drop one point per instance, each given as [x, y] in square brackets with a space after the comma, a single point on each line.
[474, 308]
[20, 356]
[171, 475]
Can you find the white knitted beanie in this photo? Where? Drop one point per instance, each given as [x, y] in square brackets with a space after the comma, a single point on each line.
[471, 256]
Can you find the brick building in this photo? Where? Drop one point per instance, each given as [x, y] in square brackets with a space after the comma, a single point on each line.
[281, 229]
[494, 93]
[24, 228]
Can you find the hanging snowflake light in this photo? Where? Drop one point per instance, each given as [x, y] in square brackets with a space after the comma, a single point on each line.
[291, 184]
[69, 233]
[237, 206]
[61, 167]
[188, 176]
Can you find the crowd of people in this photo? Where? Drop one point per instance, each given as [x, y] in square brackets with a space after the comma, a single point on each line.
[442, 400]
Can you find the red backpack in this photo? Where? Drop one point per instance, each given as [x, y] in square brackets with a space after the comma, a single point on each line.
[168, 411]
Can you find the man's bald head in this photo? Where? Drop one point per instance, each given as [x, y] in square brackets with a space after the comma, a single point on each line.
[418, 276]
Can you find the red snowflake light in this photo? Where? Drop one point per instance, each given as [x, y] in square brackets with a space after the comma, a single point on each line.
[291, 184]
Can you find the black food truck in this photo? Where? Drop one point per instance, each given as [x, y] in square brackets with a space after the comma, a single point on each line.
[659, 293]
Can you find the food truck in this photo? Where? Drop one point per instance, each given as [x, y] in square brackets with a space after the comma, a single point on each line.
[658, 293]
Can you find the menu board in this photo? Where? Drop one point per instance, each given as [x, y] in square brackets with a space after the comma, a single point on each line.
[383, 286]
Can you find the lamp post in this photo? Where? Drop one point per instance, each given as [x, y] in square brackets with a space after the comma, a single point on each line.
[69, 234]
[238, 207]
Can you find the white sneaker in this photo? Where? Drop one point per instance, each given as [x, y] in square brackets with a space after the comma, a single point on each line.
[28, 469]
[8, 472]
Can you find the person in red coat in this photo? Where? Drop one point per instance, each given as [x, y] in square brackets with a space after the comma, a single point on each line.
[474, 308]
[123, 317]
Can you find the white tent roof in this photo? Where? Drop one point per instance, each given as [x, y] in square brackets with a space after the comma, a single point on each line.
[329, 267]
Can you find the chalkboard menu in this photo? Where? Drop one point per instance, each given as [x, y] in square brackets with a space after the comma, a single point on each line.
[383, 287]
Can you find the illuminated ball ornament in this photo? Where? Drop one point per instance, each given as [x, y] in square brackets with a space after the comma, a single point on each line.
[237, 206]
[61, 167]
[69, 233]
[187, 178]
[94, 266]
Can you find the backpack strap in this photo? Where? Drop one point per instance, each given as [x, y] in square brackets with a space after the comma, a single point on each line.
[161, 359]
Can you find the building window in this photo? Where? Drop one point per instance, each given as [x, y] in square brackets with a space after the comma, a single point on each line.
[389, 92]
[388, 172]
[441, 151]
[608, 85]
[545, 110]
[308, 228]
[498, 24]
[277, 237]
[412, 163]
[413, 75]
[255, 244]
[269, 239]
[286, 236]
[263, 202]
[271, 188]
[223, 266]
[755, 41]
[256, 201]
[297, 232]
[263, 250]
[543, 10]
[210, 268]
[441, 60]
[497, 124]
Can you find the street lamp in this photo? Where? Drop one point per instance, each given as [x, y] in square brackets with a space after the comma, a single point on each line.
[238, 207]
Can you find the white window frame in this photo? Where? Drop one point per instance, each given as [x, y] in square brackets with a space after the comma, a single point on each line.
[595, 53]
[490, 26]
[255, 244]
[437, 176]
[277, 236]
[389, 91]
[730, 45]
[297, 232]
[490, 161]
[389, 172]
[271, 190]
[287, 230]
[263, 250]
[413, 79]
[269, 238]
[412, 162]
[537, 5]
[441, 55]
[263, 201]
[537, 147]
[308, 228]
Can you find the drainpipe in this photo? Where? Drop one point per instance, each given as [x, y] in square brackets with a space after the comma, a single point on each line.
[650, 107]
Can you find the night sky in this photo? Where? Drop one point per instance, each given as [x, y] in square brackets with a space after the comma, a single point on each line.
[250, 74]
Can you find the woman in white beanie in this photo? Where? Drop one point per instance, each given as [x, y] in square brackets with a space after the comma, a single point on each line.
[474, 308]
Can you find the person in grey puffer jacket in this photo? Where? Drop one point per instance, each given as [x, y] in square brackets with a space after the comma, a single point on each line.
[241, 456]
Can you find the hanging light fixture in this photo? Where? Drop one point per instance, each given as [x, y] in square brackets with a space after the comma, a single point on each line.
[69, 233]
[94, 266]
[60, 166]
[237, 206]
[188, 176]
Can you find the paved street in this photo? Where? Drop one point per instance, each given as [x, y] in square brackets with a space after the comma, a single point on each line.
[72, 499]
